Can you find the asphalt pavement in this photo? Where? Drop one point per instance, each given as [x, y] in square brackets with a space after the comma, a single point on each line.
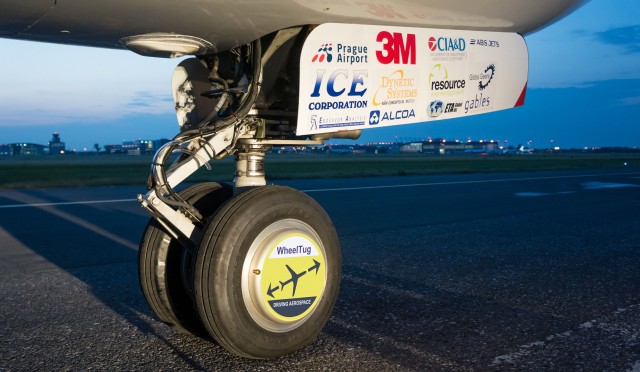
[516, 271]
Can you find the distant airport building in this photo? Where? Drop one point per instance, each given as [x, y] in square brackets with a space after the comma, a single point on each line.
[442, 147]
[141, 147]
[137, 147]
[113, 149]
[56, 146]
[17, 149]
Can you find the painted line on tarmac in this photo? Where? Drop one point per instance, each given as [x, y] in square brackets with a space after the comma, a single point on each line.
[36, 205]
[342, 189]
[464, 182]
[606, 323]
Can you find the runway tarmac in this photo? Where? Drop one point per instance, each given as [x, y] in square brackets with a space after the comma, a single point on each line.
[528, 271]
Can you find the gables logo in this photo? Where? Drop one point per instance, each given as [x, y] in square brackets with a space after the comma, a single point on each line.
[324, 53]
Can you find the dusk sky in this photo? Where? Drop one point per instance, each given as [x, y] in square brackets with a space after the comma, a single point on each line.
[584, 90]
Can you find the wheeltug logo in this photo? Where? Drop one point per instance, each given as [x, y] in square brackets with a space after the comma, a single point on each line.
[293, 278]
[324, 53]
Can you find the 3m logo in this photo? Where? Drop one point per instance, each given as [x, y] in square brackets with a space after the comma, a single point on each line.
[396, 48]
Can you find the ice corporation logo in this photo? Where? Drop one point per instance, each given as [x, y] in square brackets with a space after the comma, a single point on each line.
[324, 53]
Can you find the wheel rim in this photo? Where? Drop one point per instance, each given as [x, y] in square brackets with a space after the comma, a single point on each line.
[284, 275]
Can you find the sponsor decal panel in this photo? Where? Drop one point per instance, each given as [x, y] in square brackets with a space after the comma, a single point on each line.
[359, 76]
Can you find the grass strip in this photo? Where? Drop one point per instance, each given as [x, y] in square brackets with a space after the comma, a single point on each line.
[121, 170]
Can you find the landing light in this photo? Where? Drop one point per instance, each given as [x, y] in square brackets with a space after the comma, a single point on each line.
[165, 45]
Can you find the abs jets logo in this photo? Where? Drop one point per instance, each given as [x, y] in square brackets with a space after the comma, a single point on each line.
[324, 53]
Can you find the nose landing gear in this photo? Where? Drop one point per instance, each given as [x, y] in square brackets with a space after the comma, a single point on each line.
[256, 267]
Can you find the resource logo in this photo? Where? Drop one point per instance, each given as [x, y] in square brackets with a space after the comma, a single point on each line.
[439, 81]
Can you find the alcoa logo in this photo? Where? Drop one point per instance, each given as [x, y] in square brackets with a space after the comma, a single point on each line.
[374, 117]
[323, 53]
[447, 44]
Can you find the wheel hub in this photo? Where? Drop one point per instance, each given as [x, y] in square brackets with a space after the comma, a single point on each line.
[285, 275]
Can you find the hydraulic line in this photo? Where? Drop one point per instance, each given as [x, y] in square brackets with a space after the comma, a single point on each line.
[207, 129]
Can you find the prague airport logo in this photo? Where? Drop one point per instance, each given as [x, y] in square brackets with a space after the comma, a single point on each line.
[374, 117]
[324, 53]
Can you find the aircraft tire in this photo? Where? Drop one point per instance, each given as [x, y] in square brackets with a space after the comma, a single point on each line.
[243, 257]
[164, 265]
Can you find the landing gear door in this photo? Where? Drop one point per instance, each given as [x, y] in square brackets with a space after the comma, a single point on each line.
[360, 77]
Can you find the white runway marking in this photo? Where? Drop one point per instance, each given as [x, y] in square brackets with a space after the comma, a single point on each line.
[348, 189]
[602, 324]
[464, 182]
[36, 205]
[605, 185]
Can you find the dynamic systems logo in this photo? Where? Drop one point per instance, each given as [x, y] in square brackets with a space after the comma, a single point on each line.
[324, 53]
[395, 89]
